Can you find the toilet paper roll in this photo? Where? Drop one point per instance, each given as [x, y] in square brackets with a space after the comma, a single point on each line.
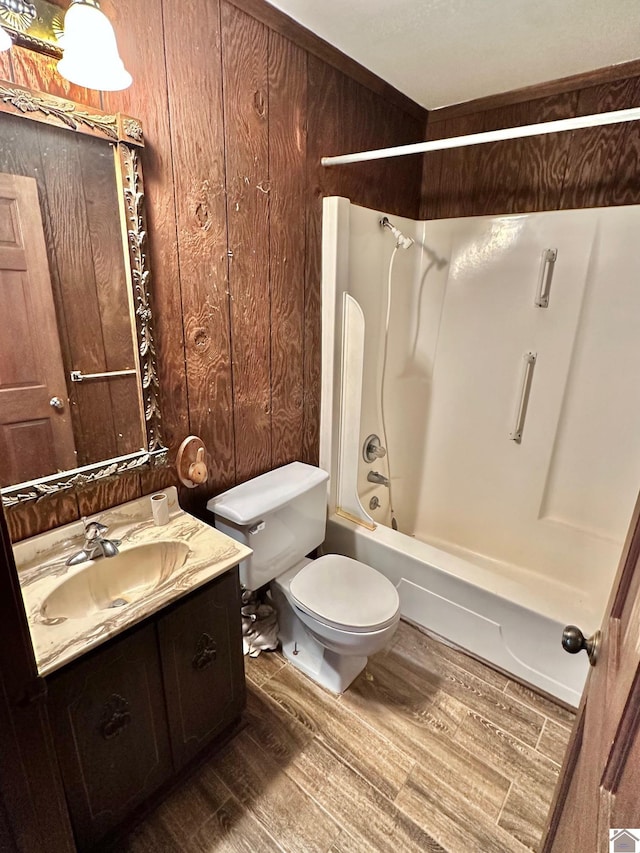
[160, 508]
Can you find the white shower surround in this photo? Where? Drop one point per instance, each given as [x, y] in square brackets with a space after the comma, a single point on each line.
[497, 575]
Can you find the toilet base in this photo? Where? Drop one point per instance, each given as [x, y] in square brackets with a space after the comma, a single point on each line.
[330, 670]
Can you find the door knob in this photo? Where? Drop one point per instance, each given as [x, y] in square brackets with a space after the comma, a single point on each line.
[574, 641]
[56, 403]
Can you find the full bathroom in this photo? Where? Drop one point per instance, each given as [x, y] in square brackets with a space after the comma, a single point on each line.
[319, 453]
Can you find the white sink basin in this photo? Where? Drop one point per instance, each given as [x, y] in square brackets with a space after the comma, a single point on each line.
[114, 582]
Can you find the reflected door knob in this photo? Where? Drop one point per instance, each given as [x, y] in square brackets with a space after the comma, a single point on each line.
[56, 403]
[574, 641]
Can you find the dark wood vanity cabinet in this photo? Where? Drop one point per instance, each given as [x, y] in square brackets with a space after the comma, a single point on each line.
[203, 677]
[107, 715]
[129, 715]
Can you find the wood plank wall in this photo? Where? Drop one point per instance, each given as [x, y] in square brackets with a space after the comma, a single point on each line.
[238, 103]
[584, 168]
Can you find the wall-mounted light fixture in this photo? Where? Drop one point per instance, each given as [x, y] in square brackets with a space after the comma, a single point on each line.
[5, 40]
[16, 15]
[83, 41]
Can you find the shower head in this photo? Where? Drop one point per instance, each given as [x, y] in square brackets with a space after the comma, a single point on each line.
[402, 242]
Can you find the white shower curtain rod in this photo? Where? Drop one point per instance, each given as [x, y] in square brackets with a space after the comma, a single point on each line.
[577, 123]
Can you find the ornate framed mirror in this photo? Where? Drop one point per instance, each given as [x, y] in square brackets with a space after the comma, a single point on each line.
[78, 379]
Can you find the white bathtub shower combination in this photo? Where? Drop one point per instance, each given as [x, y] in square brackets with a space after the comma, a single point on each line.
[512, 429]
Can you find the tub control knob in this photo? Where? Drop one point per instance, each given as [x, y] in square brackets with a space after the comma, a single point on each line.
[574, 641]
[373, 449]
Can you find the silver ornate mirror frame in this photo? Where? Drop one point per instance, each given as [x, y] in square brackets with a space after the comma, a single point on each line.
[127, 137]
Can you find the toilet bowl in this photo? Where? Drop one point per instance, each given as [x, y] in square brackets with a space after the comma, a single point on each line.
[333, 611]
[325, 634]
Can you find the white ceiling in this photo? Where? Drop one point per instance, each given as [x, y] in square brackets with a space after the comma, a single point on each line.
[441, 52]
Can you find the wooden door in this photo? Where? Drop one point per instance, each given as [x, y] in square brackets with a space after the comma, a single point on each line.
[203, 665]
[599, 788]
[36, 438]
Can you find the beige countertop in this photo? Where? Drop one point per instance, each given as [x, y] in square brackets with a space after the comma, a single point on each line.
[42, 568]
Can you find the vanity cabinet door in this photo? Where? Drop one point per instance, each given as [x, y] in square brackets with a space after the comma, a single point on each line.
[108, 718]
[203, 665]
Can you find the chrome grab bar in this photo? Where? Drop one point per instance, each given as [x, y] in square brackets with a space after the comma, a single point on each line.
[79, 376]
[529, 359]
[549, 257]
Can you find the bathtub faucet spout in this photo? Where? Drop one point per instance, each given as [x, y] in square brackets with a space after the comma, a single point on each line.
[380, 479]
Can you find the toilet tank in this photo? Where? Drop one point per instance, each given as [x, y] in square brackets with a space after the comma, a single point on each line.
[280, 515]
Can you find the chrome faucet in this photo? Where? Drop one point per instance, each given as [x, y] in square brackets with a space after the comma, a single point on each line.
[380, 479]
[95, 544]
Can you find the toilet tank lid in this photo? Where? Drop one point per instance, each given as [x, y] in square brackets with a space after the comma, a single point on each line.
[250, 501]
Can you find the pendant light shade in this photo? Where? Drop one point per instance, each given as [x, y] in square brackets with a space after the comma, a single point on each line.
[5, 40]
[91, 55]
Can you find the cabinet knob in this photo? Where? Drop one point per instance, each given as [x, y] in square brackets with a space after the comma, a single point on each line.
[206, 652]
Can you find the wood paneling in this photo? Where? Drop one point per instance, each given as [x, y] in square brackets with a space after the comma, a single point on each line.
[140, 41]
[5, 66]
[288, 200]
[250, 330]
[72, 251]
[114, 330]
[543, 159]
[457, 169]
[327, 53]
[39, 72]
[193, 152]
[36, 516]
[239, 337]
[584, 168]
[593, 170]
[246, 120]
[574, 83]
[235, 126]
[197, 139]
[108, 493]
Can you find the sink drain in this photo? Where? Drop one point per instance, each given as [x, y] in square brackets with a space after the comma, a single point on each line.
[118, 602]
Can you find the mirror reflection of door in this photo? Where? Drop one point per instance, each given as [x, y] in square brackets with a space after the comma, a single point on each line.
[80, 199]
[36, 437]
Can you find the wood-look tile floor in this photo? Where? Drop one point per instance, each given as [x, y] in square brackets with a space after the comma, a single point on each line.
[428, 750]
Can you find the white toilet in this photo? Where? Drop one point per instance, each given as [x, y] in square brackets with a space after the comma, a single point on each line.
[333, 611]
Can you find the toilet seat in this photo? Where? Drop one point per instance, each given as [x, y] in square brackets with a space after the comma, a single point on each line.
[345, 594]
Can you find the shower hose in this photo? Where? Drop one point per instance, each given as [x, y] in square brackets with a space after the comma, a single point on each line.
[394, 523]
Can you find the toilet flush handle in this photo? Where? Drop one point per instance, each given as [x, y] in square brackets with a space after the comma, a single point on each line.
[257, 527]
